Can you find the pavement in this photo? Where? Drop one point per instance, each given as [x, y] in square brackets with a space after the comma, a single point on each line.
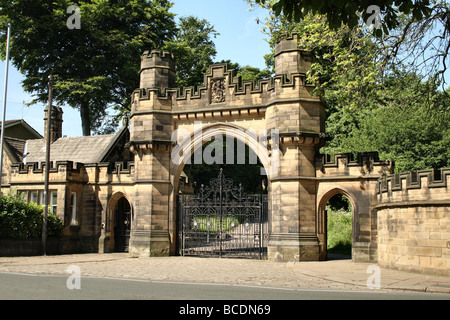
[333, 274]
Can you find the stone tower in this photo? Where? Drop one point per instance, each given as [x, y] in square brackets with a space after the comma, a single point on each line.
[157, 70]
[289, 58]
[150, 129]
[299, 117]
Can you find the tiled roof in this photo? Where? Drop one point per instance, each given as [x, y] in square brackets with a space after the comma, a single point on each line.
[16, 146]
[88, 149]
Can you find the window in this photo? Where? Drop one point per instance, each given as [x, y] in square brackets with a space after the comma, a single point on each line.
[34, 197]
[37, 196]
[53, 201]
[24, 195]
[73, 208]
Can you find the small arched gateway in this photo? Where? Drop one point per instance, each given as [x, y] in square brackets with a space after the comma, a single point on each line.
[119, 219]
[323, 217]
[356, 179]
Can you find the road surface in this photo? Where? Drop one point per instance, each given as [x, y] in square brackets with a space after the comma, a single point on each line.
[20, 286]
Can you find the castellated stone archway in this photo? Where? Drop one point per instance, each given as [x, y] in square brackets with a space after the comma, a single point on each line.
[277, 118]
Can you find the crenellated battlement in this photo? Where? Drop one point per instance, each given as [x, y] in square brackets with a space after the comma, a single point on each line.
[346, 164]
[62, 171]
[419, 180]
[39, 167]
[154, 55]
[222, 88]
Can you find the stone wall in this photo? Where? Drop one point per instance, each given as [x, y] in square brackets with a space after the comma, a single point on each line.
[414, 223]
[98, 187]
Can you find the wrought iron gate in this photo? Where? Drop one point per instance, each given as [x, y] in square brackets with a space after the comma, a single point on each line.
[223, 221]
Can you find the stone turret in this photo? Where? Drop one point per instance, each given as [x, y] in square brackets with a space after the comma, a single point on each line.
[289, 58]
[157, 70]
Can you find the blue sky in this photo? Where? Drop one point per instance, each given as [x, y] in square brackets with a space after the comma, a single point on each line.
[240, 40]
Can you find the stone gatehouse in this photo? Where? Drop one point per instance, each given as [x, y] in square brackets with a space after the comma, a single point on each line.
[132, 176]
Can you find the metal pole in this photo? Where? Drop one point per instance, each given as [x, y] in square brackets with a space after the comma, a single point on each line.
[220, 221]
[47, 165]
[5, 91]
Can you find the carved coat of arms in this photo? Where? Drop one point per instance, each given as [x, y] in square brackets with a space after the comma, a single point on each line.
[217, 90]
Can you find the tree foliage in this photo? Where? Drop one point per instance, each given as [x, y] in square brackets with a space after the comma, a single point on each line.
[94, 67]
[414, 33]
[372, 105]
[411, 127]
[350, 13]
[194, 50]
[22, 220]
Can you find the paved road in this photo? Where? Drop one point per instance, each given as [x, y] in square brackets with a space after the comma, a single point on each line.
[21, 286]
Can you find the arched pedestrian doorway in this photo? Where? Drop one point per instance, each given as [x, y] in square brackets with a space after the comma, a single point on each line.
[122, 225]
[336, 225]
[339, 227]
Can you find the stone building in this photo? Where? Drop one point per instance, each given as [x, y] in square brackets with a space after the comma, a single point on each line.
[119, 192]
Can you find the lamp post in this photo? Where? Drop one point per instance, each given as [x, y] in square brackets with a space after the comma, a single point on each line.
[5, 90]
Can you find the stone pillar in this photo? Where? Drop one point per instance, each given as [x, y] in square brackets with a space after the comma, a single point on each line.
[299, 119]
[150, 139]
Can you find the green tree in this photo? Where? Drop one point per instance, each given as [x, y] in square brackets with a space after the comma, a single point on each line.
[94, 67]
[22, 220]
[414, 33]
[371, 105]
[411, 127]
[350, 13]
[194, 50]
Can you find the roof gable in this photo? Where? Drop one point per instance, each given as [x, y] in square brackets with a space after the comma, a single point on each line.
[20, 129]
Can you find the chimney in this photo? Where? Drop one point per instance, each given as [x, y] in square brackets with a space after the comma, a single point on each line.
[57, 120]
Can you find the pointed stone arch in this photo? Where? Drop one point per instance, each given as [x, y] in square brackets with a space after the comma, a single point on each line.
[322, 216]
[111, 217]
[193, 141]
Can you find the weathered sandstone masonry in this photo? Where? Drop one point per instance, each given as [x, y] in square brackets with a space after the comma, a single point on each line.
[96, 185]
[227, 106]
[414, 222]
[130, 180]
